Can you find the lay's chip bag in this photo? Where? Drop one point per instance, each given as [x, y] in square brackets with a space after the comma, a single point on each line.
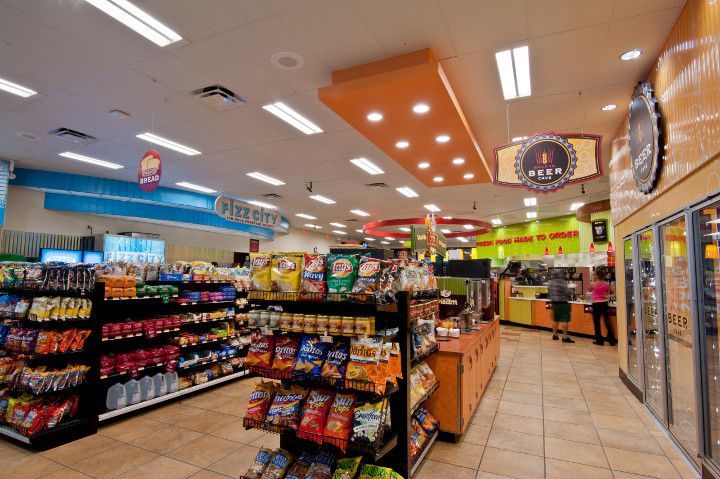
[342, 270]
[260, 271]
[285, 272]
[313, 275]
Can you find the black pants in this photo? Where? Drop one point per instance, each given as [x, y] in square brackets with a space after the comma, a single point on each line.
[598, 310]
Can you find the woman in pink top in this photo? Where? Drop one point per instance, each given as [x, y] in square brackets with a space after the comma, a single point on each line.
[601, 291]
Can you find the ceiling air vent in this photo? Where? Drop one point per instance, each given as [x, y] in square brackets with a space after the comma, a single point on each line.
[376, 185]
[73, 136]
[219, 98]
[272, 195]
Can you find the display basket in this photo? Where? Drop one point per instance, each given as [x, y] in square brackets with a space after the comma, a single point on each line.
[249, 423]
[271, 373]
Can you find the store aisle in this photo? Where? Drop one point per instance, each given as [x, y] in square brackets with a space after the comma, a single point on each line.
[551, 410]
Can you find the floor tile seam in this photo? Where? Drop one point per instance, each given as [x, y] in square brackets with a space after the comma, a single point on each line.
[515, 450]
[114, 475]
[666, 434]
[446, 462]
[209, 433]
[214, 472]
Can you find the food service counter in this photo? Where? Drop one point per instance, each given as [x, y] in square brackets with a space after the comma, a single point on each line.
[464, 367]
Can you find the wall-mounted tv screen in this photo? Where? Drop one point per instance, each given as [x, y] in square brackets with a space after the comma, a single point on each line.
[48, 255]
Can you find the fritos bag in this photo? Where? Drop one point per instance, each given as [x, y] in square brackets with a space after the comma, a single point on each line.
[314, 274]
[341, 272]
[314, 415]
[260, 271]
[368, 275]
[285, 272]
[285, 408]
[260, 400]
[340, 417]
[364, 360]
[286, 350]
[260, 353]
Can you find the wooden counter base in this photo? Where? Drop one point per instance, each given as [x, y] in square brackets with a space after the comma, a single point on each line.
[464, 367]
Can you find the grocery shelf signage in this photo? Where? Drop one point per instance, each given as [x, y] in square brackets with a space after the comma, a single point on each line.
[548, 161]
[645, 137]
[241, 212]
[149, 171]
[133, 250]
[4, 177]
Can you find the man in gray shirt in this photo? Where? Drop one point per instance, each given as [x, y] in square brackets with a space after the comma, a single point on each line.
[559, 295]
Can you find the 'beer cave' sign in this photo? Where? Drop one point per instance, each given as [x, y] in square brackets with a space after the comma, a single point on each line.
[545, 162]
[645, 137]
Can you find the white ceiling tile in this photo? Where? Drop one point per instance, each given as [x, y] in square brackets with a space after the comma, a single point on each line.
[631, 8]
[553, 16]
[169, 70]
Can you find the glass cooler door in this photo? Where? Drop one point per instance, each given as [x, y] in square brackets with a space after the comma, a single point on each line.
[632, 330]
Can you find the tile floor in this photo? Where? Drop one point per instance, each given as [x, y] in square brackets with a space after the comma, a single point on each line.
[551, 410]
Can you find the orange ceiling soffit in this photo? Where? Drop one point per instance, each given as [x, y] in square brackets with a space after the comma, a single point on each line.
[392, 87]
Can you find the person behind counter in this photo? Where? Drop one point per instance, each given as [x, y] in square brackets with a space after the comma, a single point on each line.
[559, 295]
[601, 291]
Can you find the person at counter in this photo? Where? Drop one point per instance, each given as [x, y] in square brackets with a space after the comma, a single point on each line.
[601, 291]
[559, 294]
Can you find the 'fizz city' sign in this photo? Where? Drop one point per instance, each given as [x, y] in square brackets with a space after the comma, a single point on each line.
[242, 212]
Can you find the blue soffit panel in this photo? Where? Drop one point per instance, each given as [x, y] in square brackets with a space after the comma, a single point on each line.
[147, 211]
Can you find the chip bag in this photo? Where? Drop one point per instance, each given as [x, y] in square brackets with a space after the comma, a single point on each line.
[314, 274]
[342, 270]
[426, 420]
[321, 467]
[371, 471]
[335, 365]
[368, 276]
[259, 464]
[314, 415]
[260, 353]
[311, 356]
[278, 465]
[286, 350]
[299, 469]
[367, 422]
[285, 272]
[260, 271]
[346, 467]
[260, 400]
[285, 408]
[363, 365]
[340, 417]
[395, 364]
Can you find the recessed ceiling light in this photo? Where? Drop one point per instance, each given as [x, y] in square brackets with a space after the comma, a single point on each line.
[88, 159]
[423, 165]
[375, 116]
[265, 178]
[446, 231]
[339, 225]
[421, 108]
[630, 55]
[323, 199]
[136, 19]
[291, 117]
[310, 225]
[438, 179]
[432, 208]
[307, 217]
[385, 242]
[442, 138]
[405, 229]
[262, 204]
[462, 240]
[496, 221]
[514, 68]
[402, 144]
[407, 192]
[367, 165]
[519, 138]
[339, 232]
[159, 140]
[359, 231]
[576, 205]
[16, 89]
[468, 176]
[192, 186]
[369, 239]
[458, 161]
[609, 107]
[359, 212]
[531, 214]
[530, 201]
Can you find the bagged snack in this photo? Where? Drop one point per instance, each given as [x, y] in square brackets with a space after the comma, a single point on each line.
[260, 271]
[367, 422]
[395, 364]
[346, 467]
[340, 417]
[300, 468]
[383, 375]
[260, 463]
[335, 365]
[285, 272]
[260, 400]
[314, 415]
[312, 353]
[364, 360]
[260, 353]
[314, 274]
[368, 276]
[285, 408]
[278, 465]
[395, 475]
[426, 420]
[371, 471]
[321, 467]
[286, 351]
[341, 272]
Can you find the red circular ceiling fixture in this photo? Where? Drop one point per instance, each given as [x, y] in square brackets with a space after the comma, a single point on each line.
[482, 227]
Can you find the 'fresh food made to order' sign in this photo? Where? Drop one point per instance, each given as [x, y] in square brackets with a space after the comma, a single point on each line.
[241, 212]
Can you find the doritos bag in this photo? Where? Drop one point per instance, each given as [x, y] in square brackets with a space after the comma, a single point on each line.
[286, 350]
[341, 272]
[311, 356]
[260, 271]
[261, 352]
[285, 272]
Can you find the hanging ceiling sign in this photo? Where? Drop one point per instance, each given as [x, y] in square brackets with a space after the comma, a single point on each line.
[241, 212]
[427, 240]
[548, 161]
[149, 171]
[645, 137]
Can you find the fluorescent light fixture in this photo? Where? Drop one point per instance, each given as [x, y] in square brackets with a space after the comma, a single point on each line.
[447, 217]
[446, 231]
[367, 165]
[369, 239]
[442, 138]
[514, 68]
[468, 227]
[407, 192]
[462, 240]
[519, 138]
[138, 20]
[359, 231]
[630, 55]
[159, 140]
[339, 232]
[576, 205]
[339, 225]
[423, 165]
[385, 242]
[609, 107]
[359, 212]
[262, 204]
[192, 186]
[316, 227]
[421, 108]
[16, 89]
[458, 161]
[323, 199]
[530, 201]
[307, 217]
[496, 221]
[438, 179]
[374, 116]
[469, 176]
[88, 159]
[531, 214]
[293, 118]
[432, 207]
[265, 178]
[405, 229]
[402, 144]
